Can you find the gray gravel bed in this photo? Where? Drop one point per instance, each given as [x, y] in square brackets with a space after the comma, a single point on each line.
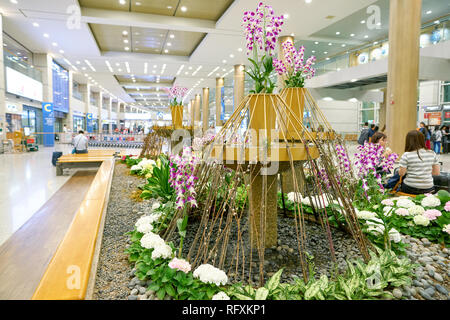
[113, 269]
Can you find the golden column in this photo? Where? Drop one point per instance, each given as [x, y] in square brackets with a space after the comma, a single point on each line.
[403, 70]
[192, 111]
[205, 107]
[197, 114]
[219, 86]
[239, 84]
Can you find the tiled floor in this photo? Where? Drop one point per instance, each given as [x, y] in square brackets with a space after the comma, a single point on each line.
[27, 181]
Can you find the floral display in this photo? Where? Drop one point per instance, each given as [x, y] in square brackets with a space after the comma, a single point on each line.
[294, 69]
[162, 251]
[151, 241]
[176, 95]
[180, 264]
[210, 274]
[262, 28]
[182, 177]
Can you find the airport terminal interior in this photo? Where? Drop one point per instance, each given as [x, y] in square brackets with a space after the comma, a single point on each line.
[224, 150]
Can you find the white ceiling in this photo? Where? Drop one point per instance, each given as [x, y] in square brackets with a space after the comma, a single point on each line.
[218, 50]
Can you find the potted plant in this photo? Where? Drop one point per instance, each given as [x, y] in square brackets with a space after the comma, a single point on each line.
[293, 69]
[176, 95]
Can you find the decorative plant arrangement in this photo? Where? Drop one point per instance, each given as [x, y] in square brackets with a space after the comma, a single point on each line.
[294, 70]
[261, 28]
[176, 95]
[216, 230]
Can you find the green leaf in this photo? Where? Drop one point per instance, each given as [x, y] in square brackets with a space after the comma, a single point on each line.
[261, 293]
[161, 293]
[170, 290]
[242, 297]
[274, 281]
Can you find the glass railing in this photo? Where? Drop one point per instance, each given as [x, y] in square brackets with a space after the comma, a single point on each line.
[18, 64]
[432, 33]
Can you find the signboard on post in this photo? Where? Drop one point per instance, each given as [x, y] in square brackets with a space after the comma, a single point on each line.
[89, 123]
[48, 118]
[434, 118]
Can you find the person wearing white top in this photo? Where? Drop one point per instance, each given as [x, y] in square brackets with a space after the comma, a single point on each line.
[80, 143]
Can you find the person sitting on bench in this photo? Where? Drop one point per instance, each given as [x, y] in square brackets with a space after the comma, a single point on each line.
[419, 165]
[80, 143]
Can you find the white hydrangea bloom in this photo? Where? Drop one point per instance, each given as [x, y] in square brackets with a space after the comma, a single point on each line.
[365, 214]
[136, 167]
[220, 296]
[405, 203]
[162, 251]
[421, 220]
[387, 211]
[430, 201]
[156, 205]
[375, 225]
[292, 196]
[151, 240]
[210, 274]
[415, 210]
[144, 224]
[395, 236]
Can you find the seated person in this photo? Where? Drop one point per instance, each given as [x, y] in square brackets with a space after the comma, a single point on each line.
[419, 165]
[80, 143]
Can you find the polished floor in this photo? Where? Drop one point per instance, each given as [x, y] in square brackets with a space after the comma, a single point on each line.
[25, 255]
[28, 181]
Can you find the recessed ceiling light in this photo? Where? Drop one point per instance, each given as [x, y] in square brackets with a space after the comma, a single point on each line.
[325, 52]
[231, 55]
[437, 22]
[120, 70]
[366, 36]
[183, 8]
[343, 46]
[169, 7]
[375, 43]
[314, 51]
[117, 64]
[61, 51]
[122, 2]
[354, 80]
[363, 21]
[46, 35]
[338, 33]
[54, 44]
[169, 44]
[154, 66]
[308, 1]
[352, 35]
[127, 48]
[83, 68]
[330, 44]
[429, 12]
[172, 36]
[138, 3]
[13, 1]
[316, 42]
[35, 24]
[240, 49]
[166, 51]
[224, 61]
[124, 32]
[327, 59]
[78, 62]
[125, 40]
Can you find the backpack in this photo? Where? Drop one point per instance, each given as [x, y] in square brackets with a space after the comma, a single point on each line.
[433, 136]
[364, 136]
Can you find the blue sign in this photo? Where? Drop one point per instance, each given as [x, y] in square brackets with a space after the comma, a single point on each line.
[49, 124]
[89, 123]
[222, 102]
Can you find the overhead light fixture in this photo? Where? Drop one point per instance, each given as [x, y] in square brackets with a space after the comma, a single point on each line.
[127, 48]
[437, 22]
[125, 32]
[78, 62]
[326, 52]
[61, 51]
[183, 8]
[109, 66]
[89, 65]
[231, 55]
[317, 42]
[366, 36]
[327, 99]
[354, 80]
[308, 1]
[169, 44]
[327, 59]
[35, 24]
[224, 61]
[46, 35]
[352, 35]
[240, 49]
[171, 36]
[145, 67]
[122, 2]
[166, 51]
[429, 12]
[314, 51]
[169, 7]
[125, 40]
[363, 21]
[338, 33]
[330, 44]
[344, 45]
[292, 34]
[138, 3]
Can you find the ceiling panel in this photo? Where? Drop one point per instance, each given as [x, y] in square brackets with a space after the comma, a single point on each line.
[195, 9]
[145, 40]
[145, 79]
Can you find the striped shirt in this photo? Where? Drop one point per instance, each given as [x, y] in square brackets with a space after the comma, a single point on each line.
[418, 172]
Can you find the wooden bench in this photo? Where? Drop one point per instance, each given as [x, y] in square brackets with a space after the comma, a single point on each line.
[69, 272]
[93, 158]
